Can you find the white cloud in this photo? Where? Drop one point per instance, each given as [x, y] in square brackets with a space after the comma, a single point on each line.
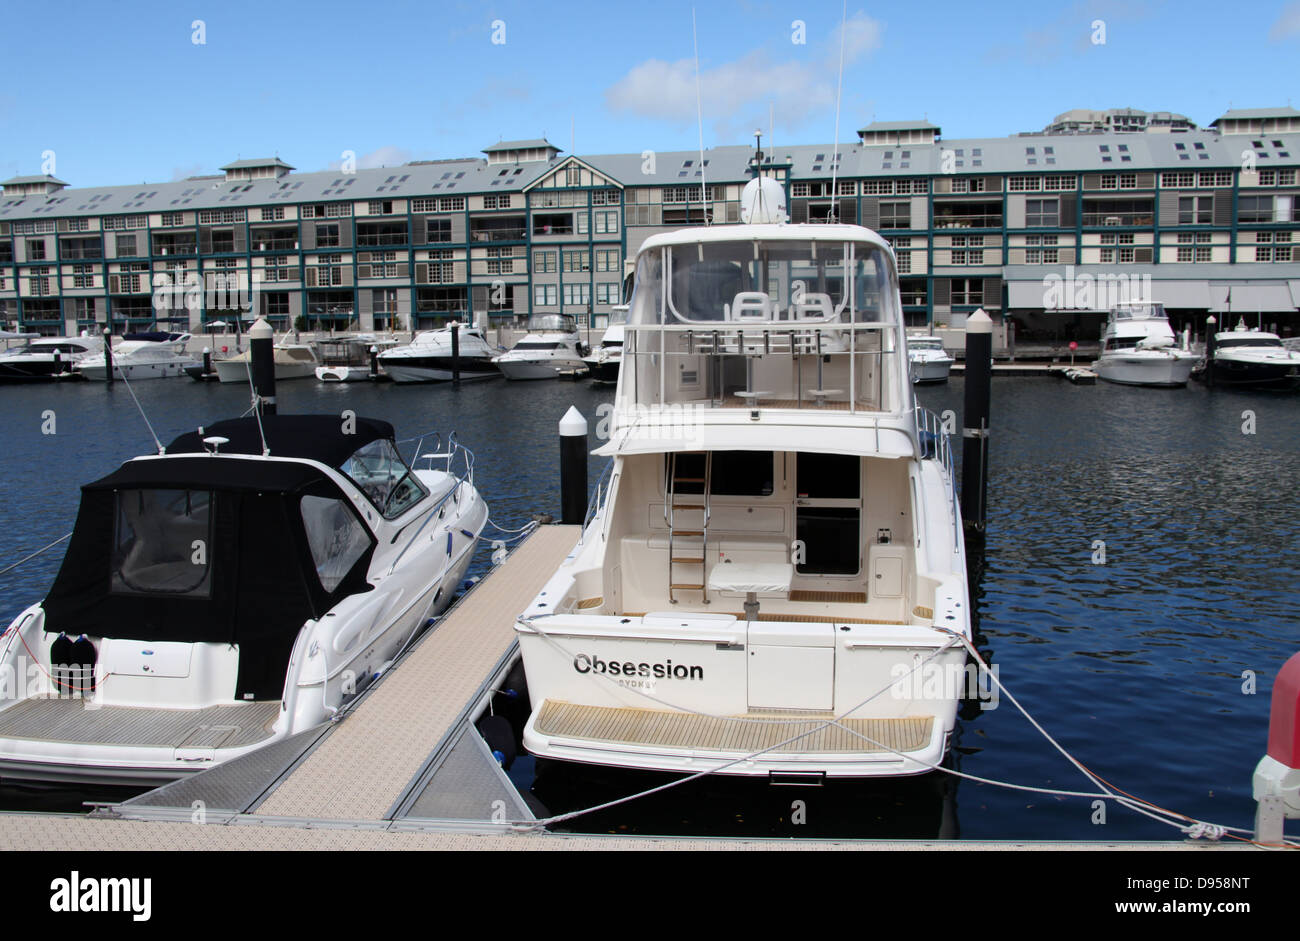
[1287, 23]
[736, 94]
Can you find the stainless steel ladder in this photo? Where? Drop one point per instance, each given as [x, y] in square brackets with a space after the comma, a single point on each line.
[697, 530]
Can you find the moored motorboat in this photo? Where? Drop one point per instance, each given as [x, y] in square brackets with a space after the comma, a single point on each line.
[1138, 348]
[604, 361]
[1253, 359]
[47, 358]
[292, 361]
[551, 348]
[927, 359]
[234, 590]
[141, 356]
[348, 359]
[432, 356]
[772, 581]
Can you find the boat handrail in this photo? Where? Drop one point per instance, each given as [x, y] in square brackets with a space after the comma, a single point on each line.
[604, 483]
[466, 476]
[933, 441]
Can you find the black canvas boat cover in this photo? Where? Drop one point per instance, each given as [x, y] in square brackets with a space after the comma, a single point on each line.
[329, 439]
[261, 583]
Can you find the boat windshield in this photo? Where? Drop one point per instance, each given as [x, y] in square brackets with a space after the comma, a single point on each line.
[1257, 340]
[381, 474]
[760, 281]
[1139, 312]
[925, 343]
[552, 323]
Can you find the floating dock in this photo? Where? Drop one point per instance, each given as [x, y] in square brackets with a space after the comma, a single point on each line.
[405, 767]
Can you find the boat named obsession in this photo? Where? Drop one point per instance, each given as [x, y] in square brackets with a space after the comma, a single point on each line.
[774, 572]
[229, 592]
[1138, 348]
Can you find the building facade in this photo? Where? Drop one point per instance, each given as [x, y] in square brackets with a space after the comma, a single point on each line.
[1040, 228]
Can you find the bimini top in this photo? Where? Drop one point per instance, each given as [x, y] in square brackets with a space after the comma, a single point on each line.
[324, 438]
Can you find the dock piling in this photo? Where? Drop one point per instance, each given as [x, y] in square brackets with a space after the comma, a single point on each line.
[573, 467]
[261, 340]
[975, 420]
[108, 354]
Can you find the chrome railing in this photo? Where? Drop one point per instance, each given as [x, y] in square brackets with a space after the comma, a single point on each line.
[604, 484]
[464, 476]
[933, 442]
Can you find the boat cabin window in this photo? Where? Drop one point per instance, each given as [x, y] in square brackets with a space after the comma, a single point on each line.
[537, 345]
[733, 474]
[552, 323]
[1247, 341]
[763, 282]
[162, 543]
[381, 474]
[336, 537]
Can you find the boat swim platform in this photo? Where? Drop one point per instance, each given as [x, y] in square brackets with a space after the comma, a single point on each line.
[405, 769]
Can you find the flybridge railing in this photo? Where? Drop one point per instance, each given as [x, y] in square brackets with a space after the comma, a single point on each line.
[933, 441]
[766, 364]
[604, 483]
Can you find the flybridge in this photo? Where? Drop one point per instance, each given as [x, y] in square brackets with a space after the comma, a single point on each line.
[766, 316]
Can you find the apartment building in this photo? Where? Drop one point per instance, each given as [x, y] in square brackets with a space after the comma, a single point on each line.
[1203, 220]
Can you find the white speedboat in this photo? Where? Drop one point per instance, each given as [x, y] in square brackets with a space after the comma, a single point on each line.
[142, 356]
[1254, 359]
[1138, 348]
[214, 601]
[550, 349]
[604, 361]
[773, 580]
[428, 358]
[47, 358]
[347, 359]
[292, 361]
[927, 359]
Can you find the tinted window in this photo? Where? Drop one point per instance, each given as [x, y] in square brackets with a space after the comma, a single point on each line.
[163, 543]
[734, 473]
[336, 537]
[828, 476]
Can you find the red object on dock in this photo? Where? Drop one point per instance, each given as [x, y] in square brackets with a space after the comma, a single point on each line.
[1284, 715]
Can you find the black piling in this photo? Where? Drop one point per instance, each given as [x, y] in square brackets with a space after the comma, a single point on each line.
[975, 421]
[374, 363]
[261, 350]
[573, 467]
[207, 361]
[455, 354]
[108, 354]
[1211, 324]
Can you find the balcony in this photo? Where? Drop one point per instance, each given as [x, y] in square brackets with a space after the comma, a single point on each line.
[986, 220]
[1094, 219]
[379, 234]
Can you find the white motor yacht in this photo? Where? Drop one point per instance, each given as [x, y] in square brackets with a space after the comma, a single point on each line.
[772, 581]
[428, 358]
[47, 358]
[1254, 359]
[928, 360]
[216, 599]
[347, 359]
[1138, 348]
[142, 356]
[604, 361]
[292, 361]
[551, 348]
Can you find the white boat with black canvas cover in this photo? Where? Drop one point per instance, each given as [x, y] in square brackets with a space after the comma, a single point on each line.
[429, 357]
[1254, 359]
[772, 581]
[1138, 348]
[551, 348]
[229, 592]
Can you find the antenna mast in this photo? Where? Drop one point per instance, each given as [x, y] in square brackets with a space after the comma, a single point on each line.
[699, 115]
[839, 88]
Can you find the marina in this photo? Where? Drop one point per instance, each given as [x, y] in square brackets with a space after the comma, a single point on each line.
[1055, 622]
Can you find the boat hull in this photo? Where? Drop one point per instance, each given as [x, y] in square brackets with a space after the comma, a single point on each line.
[525, 369]
[1160, 370]
[238, 371]
[437, 368]
[1274, 377]
[135, 372]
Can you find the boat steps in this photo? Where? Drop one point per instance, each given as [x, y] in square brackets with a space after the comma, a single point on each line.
[744, 734]
[75, 720]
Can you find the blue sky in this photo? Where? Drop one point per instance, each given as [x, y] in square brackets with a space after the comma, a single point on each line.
[121, 93]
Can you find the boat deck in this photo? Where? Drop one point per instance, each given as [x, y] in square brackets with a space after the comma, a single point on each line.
[72, 720]
[746, 734]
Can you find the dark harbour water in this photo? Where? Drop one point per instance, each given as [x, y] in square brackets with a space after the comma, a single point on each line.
[1136, 665]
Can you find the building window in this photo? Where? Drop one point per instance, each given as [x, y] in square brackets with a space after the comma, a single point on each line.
[1203, 253]
[607, 293]
[967, 291]
[896, 215]
[327, 235]
[577, 261]
[1126, 256]
[271, 214]
[575, 294]
[607, 259]
[544, 262]
[126, 246]
[544, 295]
[1108, 256]
[606, 223]
[36, 249]
[438, 230]
[1185, 253]
[1042, 212]
[1195, 210]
